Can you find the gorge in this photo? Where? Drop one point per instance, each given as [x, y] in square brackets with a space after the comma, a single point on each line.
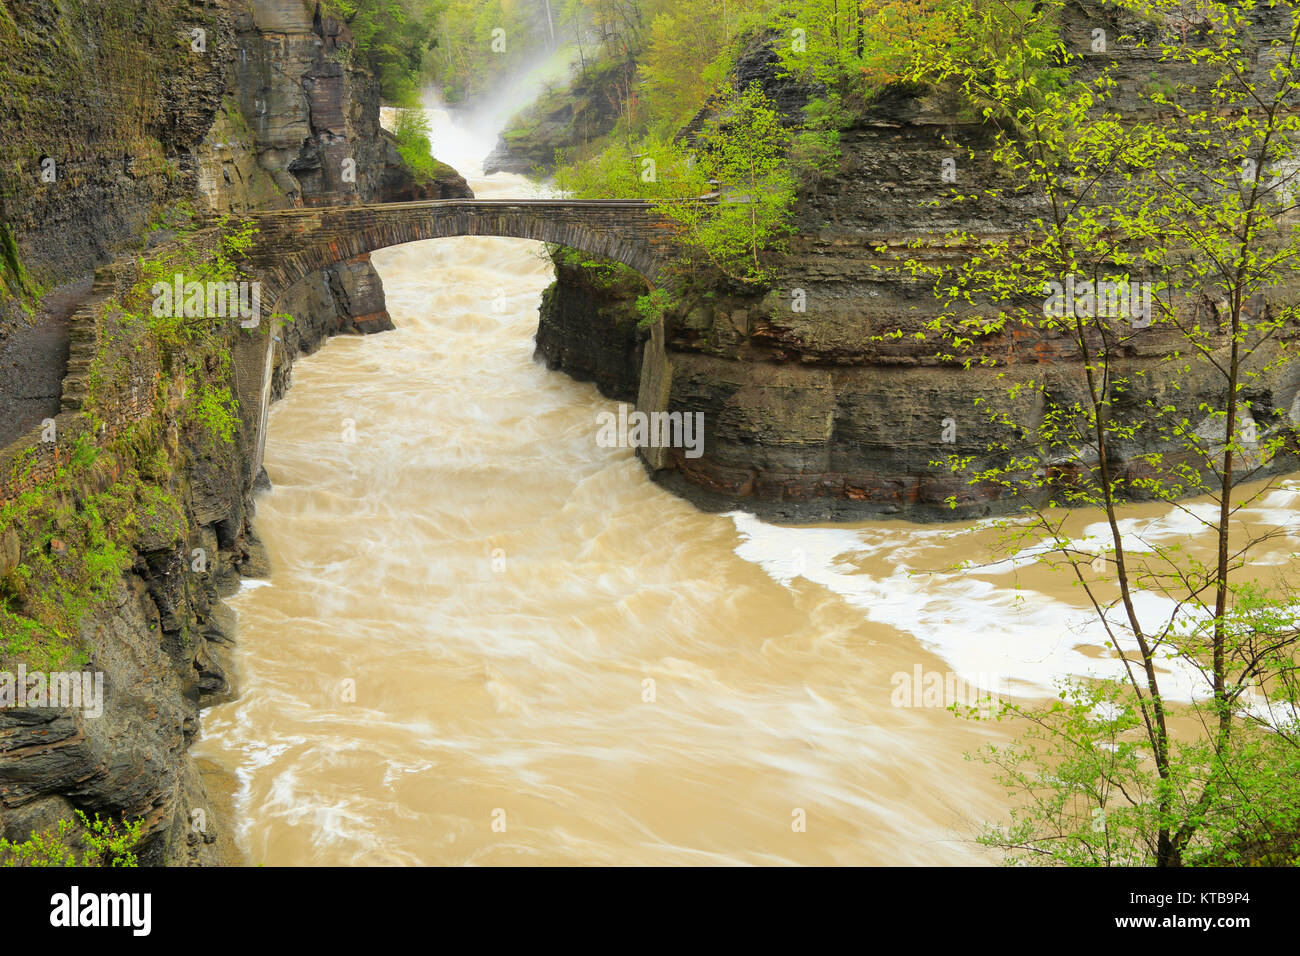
[534, 610]
[369, 582]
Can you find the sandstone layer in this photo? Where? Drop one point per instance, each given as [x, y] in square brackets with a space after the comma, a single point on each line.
[271, 113]
[822, 395]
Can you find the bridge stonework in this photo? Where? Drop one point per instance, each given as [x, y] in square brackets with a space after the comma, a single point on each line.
[291, 244]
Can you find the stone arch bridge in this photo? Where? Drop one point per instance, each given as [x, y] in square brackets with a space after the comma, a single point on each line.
[292, 244]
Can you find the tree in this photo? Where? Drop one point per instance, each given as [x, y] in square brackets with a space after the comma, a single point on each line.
[472, 45]
[742, 151]
[391, 37]
[819, 39]
[1158, 259]
[688, 50]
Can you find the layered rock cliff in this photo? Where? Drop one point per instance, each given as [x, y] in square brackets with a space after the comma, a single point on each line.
[270, 112]
[810, 411]
[588, 329]
[104, 110]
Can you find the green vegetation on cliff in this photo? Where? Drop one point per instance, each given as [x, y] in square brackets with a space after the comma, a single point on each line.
[101, 843]
[412, 132]
[16, 281]
[844, 53]
[692, 117]
[120, 485]
[741, 159]
[391, 38]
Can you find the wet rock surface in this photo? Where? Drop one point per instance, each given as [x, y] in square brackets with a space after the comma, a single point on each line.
[813, 410]
[590, 333]
[164, 640]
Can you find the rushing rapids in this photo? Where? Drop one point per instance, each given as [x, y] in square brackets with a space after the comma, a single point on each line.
[490, 638]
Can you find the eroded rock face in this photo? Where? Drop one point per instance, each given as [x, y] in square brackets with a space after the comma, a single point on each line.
[78, 80]
[590, 332]
[164, 641]
[160, 645]
[347, 299]
[312, 117]
[130, 761]
[812, 410]
[292, 84]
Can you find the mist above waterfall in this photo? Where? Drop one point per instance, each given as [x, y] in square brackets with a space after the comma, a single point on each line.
[465, 134]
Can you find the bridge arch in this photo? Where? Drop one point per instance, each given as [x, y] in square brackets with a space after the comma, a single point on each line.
[293, 244]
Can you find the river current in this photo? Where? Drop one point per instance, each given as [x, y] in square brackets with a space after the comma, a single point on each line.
[489, 640]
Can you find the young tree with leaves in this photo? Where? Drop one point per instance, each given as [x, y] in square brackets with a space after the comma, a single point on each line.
[1159, 260]
[742, 153]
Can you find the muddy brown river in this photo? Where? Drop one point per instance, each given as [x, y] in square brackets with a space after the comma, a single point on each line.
[489, 640]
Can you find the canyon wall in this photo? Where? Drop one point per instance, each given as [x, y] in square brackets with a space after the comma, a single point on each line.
[811, 411]
[588, 330]
[272, 113]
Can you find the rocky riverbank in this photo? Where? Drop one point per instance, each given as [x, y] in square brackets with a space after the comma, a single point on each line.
[813, 409]
[270, 113]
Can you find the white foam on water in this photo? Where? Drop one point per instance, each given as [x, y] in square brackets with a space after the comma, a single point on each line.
[981, 627]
